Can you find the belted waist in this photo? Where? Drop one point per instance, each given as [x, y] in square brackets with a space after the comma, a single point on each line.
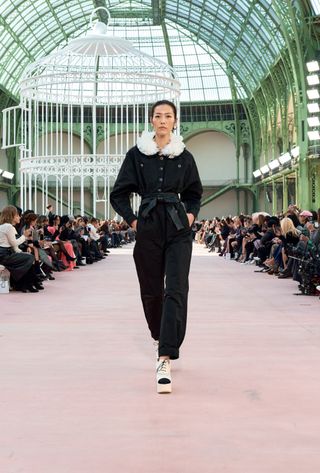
[170, 199]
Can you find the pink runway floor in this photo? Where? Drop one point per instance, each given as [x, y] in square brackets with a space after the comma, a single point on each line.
[77, 388]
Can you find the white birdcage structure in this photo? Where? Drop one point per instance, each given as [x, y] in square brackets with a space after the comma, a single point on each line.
[81, 108]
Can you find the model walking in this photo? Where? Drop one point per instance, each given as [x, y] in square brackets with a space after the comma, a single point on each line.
[160, 169]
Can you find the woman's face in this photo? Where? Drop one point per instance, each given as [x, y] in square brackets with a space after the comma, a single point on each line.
[57, 221]
[16, 219]
[163, 120]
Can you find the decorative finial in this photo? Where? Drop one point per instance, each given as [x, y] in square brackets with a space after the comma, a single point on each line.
[99, 27]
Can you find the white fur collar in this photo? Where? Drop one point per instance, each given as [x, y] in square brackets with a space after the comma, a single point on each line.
[148, 146]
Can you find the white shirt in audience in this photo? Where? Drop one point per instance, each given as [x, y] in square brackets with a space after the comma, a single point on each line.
[93, 232]
[8, 237]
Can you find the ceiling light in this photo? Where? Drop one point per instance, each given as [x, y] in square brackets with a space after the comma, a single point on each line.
[313, 94]
[313, 66]
[313, 79]
[314, 135]
[257, 173]
[313, 107]
[313, 121]
[274, 164]
[7, 175]
[265, 169]
[295, 152]
[285, 158]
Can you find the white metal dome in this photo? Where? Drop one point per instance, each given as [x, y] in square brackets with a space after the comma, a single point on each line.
[101, 69]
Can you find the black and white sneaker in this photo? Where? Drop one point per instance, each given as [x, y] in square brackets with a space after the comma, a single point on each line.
[164, 382]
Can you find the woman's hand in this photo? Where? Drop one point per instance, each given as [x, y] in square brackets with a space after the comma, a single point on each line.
[191, 219]
[134, 225]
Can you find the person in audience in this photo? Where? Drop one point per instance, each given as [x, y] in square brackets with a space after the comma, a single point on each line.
[19, 264]
[225, 228]
[54, 230]
[282, 244]
[293, 214]
[235, 239]
[68, 256]
[252, 234]
[30, 245]
[304, 219]
[270, 237]
[47, 254]
[95, 239]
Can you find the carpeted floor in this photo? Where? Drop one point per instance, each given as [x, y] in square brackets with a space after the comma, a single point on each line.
[77, 387]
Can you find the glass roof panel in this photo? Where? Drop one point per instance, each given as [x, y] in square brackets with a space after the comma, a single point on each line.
[249, 30]
[190, 60]
[245, 34]
[316, 6]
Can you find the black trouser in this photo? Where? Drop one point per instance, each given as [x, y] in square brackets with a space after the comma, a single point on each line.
[162, 256]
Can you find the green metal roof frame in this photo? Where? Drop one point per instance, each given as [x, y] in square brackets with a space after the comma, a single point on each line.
[246, 34]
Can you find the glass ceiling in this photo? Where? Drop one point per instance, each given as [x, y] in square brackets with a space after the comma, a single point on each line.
[205, 38]
[316, 6]
[201, 74]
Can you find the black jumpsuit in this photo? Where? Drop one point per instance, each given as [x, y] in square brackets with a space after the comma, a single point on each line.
[163, 246]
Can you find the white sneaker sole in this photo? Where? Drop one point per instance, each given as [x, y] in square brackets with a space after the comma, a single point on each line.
[164, 388]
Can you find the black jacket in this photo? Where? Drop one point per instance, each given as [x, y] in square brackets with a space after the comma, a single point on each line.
[155, 174]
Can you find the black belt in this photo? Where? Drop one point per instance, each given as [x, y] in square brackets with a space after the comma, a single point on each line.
[170, 199]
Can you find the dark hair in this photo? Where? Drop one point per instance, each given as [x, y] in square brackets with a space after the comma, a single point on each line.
[64, 219]
[52, 219]
[164, 102]
[314, 215]
[273, 221]
[30, 217]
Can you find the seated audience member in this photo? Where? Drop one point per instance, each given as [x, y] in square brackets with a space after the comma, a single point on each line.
[304, 218]
[283, 244]
[293, 214]
[124, 233]
[267, 240]
[68, 256]
[252, 234]
[235, 238]
[81, 240]
[114, 230]
[65, 248]
[30, 221]
[92, 227]
[19, 264]
[212, 240]
[47, 254]
[225, 227]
